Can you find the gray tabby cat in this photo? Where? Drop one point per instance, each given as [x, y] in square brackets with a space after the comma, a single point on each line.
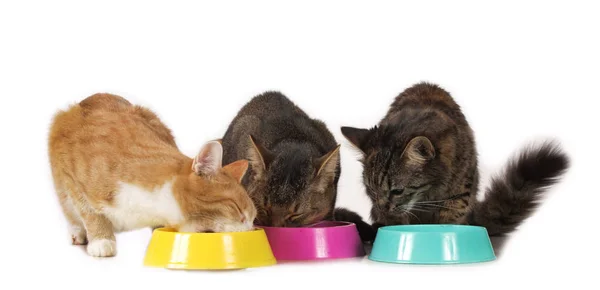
[294, 163]
[420, 166]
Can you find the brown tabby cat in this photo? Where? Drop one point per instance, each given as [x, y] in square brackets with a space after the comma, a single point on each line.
[294, 164]
[420, 166]
[116, 168]
[294, 161]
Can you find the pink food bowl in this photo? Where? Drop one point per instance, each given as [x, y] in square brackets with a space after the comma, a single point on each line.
[323, 240]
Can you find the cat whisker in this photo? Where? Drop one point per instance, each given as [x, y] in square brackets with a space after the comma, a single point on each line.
[419, 209]
[439, 206]
[432, 201]
[403, 209]
[408, 212]
[415, 207]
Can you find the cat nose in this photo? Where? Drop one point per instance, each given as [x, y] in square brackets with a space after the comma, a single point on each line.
[243, 220]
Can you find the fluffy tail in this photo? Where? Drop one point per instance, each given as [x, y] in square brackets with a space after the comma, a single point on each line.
[366, 232]
[514, 195]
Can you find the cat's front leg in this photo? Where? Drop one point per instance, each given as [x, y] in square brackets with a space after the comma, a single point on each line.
[366, 232]
[100, 234]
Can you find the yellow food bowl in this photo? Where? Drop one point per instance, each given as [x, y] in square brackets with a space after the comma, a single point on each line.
[208, 251]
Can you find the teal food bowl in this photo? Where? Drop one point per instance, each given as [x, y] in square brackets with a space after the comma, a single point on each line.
[432, 244]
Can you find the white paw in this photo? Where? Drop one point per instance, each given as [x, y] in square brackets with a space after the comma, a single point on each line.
[102, 248]
[78, 236]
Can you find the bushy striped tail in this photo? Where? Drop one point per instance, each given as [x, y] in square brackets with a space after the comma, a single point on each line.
[516, 193]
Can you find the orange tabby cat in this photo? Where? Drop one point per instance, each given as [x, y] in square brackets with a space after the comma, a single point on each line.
[116, 168]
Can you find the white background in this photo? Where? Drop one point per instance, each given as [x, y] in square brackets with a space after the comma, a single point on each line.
[521, 72]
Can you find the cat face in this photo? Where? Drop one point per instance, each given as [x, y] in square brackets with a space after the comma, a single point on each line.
[400, 173]
[290, 188]
[214, 199]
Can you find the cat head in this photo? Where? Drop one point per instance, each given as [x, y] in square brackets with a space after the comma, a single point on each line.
[212, 197]
[292, 187]
[399, 170]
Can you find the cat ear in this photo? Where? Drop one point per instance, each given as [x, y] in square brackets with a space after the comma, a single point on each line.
[327, 164]
[237, 169]
[208, 161]
[259, 156]
[355, 136]
[419, 150]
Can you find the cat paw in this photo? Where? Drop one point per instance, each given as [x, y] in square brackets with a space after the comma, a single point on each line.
[102, 248]
[79, 240]
[78, 236]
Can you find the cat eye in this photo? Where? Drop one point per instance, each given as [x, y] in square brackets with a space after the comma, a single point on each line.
[396, 191]
[409, 190]
[294, 217]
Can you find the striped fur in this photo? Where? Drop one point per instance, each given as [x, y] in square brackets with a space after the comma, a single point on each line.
[421, 166]
[294, 163]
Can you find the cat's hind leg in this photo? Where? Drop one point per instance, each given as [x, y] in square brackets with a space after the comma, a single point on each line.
[75, 224]
[100, 232]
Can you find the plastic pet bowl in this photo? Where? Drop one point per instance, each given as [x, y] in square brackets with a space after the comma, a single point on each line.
[208, 251]
[432, 244]
[323, 240]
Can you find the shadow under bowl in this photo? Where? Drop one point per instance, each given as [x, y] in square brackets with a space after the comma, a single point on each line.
[322, 240]
[432, 244]
[208, 251]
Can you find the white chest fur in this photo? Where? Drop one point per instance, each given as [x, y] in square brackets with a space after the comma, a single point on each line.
[135, 207]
